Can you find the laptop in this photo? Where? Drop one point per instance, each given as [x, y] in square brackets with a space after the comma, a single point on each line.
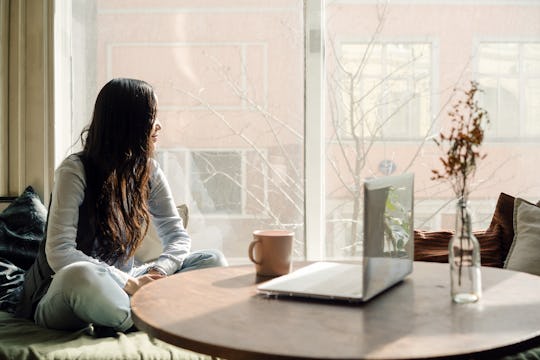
[387, 250]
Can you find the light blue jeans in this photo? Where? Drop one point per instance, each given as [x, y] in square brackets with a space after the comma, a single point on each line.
[84, 293]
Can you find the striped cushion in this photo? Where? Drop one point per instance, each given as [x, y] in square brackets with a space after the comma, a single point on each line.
[433, 246]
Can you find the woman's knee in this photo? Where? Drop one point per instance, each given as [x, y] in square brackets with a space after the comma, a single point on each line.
[80, 276]
[84, 293]
[217, 258]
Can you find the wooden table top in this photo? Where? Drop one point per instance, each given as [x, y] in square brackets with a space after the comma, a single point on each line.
[218, 312]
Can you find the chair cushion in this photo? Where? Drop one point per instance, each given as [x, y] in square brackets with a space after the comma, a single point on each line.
[151, 246]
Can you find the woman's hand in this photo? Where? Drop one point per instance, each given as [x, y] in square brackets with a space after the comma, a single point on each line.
[134, 284]
[156, 272]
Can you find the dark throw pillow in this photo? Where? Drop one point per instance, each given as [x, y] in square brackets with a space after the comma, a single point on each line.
[503, 216]
[433, 246]
[22, 226]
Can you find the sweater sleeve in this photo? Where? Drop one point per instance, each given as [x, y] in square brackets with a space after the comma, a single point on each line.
[68, 194]
[170, 228]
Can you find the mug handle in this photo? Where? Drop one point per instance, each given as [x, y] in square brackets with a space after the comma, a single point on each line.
[250, 251]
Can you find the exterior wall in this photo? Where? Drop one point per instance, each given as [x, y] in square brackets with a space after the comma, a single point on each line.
[454, 31]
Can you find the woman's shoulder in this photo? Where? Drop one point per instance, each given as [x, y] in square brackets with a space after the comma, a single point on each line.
[154, 164]
[157, 176]
[154, 167]
[72, 163]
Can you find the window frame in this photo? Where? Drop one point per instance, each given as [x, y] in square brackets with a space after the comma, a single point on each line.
[521, 78]
[432, 83]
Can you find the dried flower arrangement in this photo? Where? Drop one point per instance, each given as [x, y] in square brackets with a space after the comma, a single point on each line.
[462, 145]
[462, 149]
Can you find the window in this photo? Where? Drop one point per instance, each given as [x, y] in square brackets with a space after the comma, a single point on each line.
[385, 89]
[215, 181]
[248, 91]
[231, 105]
[391, 70]
[509, 73]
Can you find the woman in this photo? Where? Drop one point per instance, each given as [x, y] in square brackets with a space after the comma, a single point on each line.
[102, 202]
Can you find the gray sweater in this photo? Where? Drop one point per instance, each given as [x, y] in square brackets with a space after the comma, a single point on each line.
[68, 194]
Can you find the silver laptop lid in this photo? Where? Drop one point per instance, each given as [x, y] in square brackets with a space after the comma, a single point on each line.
[387, 250]
[388, 232]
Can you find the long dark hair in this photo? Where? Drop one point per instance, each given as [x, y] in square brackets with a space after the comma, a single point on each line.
[118, 148]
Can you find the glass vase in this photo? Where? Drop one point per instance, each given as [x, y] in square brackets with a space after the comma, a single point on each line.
[464, 259]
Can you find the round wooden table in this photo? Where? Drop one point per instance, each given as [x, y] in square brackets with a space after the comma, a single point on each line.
[218, 312]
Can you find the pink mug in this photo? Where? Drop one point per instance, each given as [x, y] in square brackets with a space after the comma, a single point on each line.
[271, 252]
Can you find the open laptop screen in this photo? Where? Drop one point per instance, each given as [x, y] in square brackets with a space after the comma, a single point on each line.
[388, 232]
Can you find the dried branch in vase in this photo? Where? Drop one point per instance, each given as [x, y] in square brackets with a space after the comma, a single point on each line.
[461, 146]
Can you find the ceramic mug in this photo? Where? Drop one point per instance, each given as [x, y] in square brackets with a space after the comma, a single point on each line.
[271, 252]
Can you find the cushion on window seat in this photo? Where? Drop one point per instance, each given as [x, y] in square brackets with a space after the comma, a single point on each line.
[22, 226]
[503, 217]
[511, 240]
[151, 246]
[495, 241]
[433, 246]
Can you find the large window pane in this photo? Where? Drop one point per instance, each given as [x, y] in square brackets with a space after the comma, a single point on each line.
[382, 89]
[509, 74]
[392, 67]
[230, 76]
[229, 79]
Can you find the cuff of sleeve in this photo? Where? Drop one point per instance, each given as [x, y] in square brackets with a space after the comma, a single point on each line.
[159, 269]
[169, 266]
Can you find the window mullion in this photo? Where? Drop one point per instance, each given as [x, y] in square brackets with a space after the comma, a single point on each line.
[314, 131]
